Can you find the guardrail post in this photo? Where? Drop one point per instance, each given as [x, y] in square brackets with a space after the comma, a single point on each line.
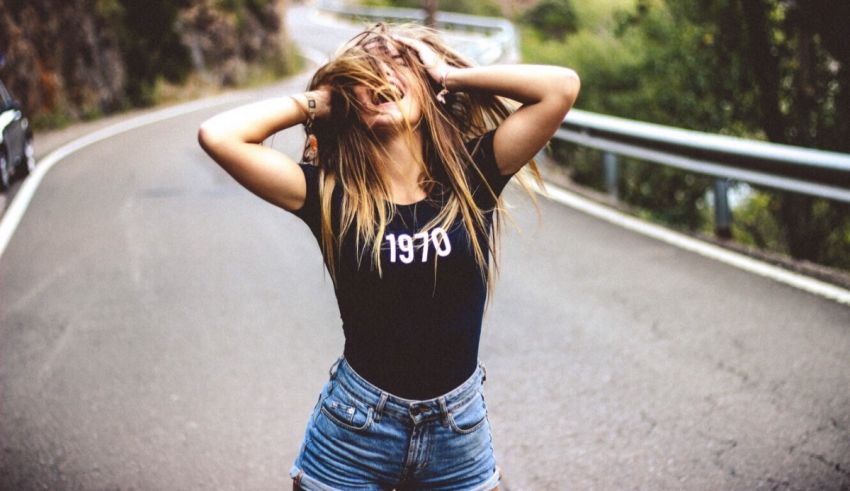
[722, 213]
[430, 13]
[612, 172]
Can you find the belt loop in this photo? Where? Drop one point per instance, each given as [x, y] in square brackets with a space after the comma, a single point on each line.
[483, 371]
[334, 367]
[379, 409]
[444, 411]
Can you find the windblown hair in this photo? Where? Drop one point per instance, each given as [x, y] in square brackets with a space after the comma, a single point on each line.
[349, 151]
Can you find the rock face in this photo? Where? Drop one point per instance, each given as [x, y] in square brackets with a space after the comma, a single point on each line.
[60, 57]
[223, 43]
[66, 59]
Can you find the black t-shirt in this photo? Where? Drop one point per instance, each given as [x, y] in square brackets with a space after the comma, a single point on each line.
[411, 332]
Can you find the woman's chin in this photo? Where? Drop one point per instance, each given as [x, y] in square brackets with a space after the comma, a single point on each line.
[390, 120]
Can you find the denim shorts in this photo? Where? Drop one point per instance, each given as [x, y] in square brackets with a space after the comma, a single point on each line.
[361, 437]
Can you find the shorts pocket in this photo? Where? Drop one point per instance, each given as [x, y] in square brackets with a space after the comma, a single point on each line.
[346, 411]
[469, 417]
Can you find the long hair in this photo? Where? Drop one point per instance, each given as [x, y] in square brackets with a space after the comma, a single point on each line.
[349, 151]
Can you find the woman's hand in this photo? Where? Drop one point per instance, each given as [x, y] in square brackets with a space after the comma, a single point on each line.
[434, 64]
[546, 92]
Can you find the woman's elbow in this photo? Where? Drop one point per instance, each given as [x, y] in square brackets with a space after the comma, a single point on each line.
[209, 137]
[568, 88]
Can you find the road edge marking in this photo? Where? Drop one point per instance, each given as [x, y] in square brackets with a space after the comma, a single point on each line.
[811, 285]
[15, 212]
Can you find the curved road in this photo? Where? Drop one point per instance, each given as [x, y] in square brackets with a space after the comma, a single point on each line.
[161, 328]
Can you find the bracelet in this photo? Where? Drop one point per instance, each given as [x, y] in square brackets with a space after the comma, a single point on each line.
[311, 145]
[441, 96]
[310, 113]
[311, 110]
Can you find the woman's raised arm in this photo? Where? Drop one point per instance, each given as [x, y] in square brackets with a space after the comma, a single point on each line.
[234, 140]
[546, 92]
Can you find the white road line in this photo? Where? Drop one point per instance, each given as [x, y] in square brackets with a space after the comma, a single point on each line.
[15, 212]
[682, 241]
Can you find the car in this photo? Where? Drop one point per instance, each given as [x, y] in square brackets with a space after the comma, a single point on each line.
[17, 157]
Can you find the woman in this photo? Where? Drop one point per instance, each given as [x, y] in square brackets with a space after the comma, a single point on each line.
[411, 147]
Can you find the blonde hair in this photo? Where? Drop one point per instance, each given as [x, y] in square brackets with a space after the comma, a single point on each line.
[348, 150]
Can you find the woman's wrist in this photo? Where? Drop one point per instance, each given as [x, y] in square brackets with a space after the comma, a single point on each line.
[313, 105]
[442, 79]
[302, 102]
[449, 77]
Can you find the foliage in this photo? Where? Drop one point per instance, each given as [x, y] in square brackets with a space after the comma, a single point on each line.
[755, 222]
[759, 222]
[668, 195]
[644, 65]
[241, 9]
[554, 18]
[791, 63]
[150, 45]
[768, 69]
[55, 118]
[237, 6]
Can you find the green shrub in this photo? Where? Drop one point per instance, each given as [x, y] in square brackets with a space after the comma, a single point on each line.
[553, 18]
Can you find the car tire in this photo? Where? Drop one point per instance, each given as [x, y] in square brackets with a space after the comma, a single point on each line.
[28, 157]
[5, 171]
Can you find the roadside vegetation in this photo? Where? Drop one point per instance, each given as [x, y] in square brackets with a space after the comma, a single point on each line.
[769, 70]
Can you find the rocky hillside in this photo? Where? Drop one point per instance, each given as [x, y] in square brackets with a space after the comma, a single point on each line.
[70, 59]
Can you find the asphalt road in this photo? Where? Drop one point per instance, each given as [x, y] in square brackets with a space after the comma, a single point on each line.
[161, 328]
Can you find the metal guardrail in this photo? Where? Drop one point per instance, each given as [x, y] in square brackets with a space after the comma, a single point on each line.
[783, 167]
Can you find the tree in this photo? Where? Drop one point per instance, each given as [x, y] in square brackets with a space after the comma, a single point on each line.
[770, 69]
[555, 18]
[150, 45]
[796, 65]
